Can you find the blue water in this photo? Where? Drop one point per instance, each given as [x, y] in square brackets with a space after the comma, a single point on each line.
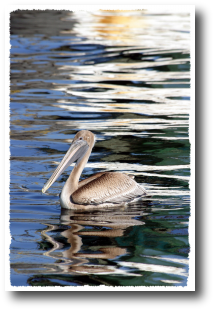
[126, 77]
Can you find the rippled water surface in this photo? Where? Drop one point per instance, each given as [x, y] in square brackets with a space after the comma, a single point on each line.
[124, 75]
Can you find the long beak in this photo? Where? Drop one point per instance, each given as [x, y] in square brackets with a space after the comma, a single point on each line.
[76, 151]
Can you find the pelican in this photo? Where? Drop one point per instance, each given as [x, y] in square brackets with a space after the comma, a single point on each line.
[103, 189]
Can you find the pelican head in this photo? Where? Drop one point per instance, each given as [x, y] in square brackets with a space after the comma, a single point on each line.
[80, 148]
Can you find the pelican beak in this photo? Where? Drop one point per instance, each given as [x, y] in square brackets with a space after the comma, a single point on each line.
[76, 151]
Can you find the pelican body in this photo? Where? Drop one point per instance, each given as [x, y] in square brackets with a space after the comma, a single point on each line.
[103, 189]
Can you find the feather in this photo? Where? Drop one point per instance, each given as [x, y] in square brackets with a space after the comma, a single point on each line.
[108, 187]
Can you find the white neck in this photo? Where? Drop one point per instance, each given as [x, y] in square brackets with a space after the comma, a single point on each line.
[71, 184]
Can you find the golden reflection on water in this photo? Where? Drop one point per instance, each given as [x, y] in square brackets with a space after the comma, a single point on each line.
[149, 28]
[118, 26]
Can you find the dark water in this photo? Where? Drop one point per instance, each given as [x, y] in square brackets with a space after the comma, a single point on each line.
[126, 77]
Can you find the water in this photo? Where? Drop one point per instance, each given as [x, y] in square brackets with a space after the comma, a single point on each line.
[124, 75]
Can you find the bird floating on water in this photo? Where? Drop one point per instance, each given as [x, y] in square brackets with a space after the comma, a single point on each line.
[103, 189]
